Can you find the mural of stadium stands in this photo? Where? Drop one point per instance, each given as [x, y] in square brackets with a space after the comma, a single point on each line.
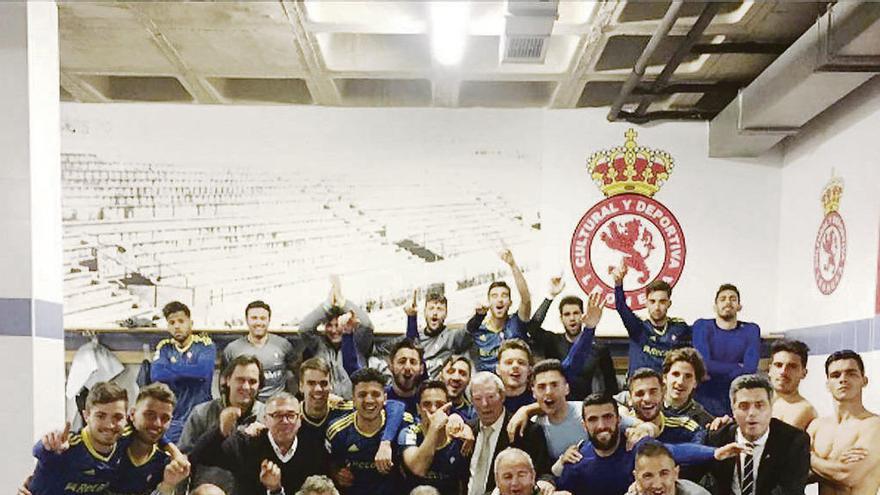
[137, 235]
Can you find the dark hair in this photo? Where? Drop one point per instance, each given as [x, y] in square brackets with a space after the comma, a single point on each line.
[105, 393]
[518, 344]
[688, 355]
[242, 360]
[599, 399]
[366, 375]
[435, 297]
[174, 307]
[653, 449]
[845, 354]
[658, 285]
[793, 346]
[644, 373]
[748, 382]
[405, 344]
[456, 358]
[158, 391]
[725, 287]
[314, 363]
[429, 384]
[334, 312]
[569, 300]
[547, 365]
[499, 283]
[257, 304]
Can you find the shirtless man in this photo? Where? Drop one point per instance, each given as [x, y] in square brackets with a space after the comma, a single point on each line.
[788, 366]
[846, 446]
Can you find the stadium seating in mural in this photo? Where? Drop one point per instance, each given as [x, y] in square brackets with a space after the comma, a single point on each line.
[139, 234]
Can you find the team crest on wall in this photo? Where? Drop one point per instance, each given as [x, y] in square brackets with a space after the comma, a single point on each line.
[829, 253]
[628, 224]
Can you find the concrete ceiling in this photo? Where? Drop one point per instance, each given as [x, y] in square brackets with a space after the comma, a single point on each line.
[378, 54]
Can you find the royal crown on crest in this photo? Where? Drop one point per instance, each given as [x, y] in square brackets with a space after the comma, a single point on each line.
[630, 168]
[831, 194]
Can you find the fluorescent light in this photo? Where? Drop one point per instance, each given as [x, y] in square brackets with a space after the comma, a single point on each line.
[449, 30]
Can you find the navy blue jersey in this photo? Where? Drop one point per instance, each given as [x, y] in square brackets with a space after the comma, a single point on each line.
[513, 403]
[188, 372]
[680, 429]
[313, 431]
[489, 339]
[350, 448]
[139, 479]
[80, 469]
[448, 469]
[411, 404]
[727, 354]
[612, 475]
[648, 345]
[465, 409]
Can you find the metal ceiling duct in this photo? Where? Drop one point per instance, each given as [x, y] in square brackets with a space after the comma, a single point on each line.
[527, 29]
[839, 53]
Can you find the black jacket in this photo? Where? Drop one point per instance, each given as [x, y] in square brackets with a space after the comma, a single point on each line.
[784, 465]
[532, 442]
[553, 345]
[242, 455]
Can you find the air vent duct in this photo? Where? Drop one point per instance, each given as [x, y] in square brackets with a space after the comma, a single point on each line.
[527, 29]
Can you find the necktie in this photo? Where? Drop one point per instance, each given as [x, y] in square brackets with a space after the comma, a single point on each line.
[748, 474]
[481, 472]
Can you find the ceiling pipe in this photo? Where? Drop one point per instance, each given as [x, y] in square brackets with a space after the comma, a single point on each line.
[831, 59]
[684, 48]
[642, 63]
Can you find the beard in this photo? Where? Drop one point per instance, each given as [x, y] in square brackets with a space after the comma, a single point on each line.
[612, 441]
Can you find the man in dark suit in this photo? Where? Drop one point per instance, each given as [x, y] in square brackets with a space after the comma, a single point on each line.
[780, 460]
[274, 461]
[490, 431]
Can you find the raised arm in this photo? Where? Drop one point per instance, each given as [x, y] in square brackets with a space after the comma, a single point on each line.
[363, 333]
[412, 318]
[349, 354]
[631, 322]
[311, 321]
[525, 298]
[580, 350]
[418, 459]
[474, 323]
[534, 326]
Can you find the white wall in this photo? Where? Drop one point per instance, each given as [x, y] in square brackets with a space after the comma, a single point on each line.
[844, 138]
[728, 210]
[352, 140]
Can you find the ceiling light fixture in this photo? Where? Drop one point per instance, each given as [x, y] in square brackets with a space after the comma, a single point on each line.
[449, 30]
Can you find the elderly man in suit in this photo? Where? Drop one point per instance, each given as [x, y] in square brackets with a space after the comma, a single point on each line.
[490, 430]
[779, 462]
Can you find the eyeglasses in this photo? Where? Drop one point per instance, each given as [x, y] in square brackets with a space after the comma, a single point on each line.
[290, 416]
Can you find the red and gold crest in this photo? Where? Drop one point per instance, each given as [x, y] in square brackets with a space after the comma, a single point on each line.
[628, 224]
[829, 253]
